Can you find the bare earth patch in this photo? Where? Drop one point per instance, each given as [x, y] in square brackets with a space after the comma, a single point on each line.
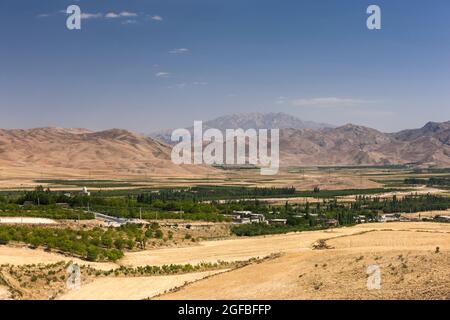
[25, 256]
[412, 267]
[26, 220]
[136, 288]
[414, 258]
[4, 293]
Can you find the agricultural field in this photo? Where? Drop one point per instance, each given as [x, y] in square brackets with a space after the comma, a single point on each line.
[176, 241]
[328, 264]
[414, 260]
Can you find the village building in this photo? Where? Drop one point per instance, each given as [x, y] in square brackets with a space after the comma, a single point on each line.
[242, 217]
[84, 192]
[390, 217]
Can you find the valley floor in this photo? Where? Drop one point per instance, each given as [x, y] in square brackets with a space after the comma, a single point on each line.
[414, 259]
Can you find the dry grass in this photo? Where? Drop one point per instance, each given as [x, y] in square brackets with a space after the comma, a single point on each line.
[26, 220]
[21, 255]
[411, 268]
[133, 288]
[4, 293]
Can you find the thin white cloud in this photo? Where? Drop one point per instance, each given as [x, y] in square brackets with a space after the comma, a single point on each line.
[179, 51]
[329, 102]
[162, 74]
[112, 15]
[156, 18]
[128, 14]
[123, 14]
[86, 15]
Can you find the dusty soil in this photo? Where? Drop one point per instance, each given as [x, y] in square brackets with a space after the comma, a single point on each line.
[212, 251]
[20, 255]
[331, 275]
[136, 288]
[26, 220]
[414, 259]
[229, 250]
[245, 248]
[4, 293]
[412, 267]
[24, 178]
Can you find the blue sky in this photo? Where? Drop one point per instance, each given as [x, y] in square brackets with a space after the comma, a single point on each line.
[147, 65]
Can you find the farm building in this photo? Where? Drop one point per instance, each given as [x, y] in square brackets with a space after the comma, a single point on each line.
[248, 217]
[84, 192]
[389, 217]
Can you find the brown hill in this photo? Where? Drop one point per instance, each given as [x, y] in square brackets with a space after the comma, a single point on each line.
[357, 145]
[113, 152]
[304, 143]
[51, 152]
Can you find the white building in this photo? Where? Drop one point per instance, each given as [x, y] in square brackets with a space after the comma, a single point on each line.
[84, 192]
[248, 217]
[389, 217]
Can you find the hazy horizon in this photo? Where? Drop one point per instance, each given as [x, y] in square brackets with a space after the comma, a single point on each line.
[187, 125]
[145, 66]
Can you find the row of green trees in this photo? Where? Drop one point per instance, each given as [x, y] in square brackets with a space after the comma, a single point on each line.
[433, 181]
[410, 203]
[43, 211]
[204, 193]
[96, 244]
[313, 216]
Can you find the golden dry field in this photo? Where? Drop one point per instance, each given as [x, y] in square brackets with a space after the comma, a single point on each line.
[414, 259]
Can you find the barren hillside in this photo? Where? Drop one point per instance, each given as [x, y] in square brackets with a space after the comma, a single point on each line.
[79, 151]
[358, 145]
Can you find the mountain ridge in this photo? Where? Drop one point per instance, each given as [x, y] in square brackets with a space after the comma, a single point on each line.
[69, 151]
[358, 145]
[119, 151]
[246, 121]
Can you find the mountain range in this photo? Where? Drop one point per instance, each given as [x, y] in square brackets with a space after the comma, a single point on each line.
[121, 152]
[114, 152]
[358, 145]
[249, 121]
